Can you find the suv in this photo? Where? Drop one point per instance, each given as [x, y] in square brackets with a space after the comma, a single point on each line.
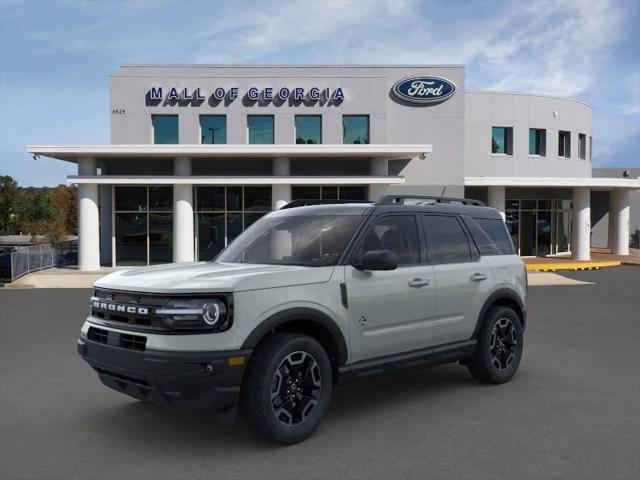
[309, 296]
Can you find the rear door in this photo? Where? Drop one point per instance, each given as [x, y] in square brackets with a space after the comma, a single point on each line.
[390, 311]
[463, 278]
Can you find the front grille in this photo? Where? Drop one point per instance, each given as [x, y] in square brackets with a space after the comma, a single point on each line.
[123, 340]
[128, 310]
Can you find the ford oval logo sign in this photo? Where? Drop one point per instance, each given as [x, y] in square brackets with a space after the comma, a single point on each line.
[424, 89]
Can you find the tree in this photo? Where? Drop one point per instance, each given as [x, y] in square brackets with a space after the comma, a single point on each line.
[64, 223]
[8, 195]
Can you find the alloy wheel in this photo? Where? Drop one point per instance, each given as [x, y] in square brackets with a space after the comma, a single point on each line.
[296, 386]
[504, 343]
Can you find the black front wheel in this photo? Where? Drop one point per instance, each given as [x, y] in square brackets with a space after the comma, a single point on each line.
[287, 387]
[499, 348]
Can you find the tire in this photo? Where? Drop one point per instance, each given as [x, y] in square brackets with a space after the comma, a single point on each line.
[297, 370]
[499, 349]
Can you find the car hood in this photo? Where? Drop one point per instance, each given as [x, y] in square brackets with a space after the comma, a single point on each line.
[203, 277]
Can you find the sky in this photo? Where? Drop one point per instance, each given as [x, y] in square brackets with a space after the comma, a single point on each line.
[56, 56]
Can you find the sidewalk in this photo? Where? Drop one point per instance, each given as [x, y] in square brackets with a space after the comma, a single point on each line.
[600, 258]
[59, 278]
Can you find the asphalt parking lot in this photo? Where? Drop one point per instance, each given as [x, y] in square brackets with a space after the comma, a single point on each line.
[571, 412]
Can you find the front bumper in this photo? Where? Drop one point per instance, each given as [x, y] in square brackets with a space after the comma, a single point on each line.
[194, 380]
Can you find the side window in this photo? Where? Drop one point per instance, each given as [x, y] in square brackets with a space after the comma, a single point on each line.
[446, 240]
[497, 233]
[485, 244]
[397, 233]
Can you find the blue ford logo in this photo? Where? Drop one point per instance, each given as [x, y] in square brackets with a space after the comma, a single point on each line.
[424, 89]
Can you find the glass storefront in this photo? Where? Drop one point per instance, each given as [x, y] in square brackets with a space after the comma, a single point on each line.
[342, 192]
[539, 227]
[222, 213]
[143, 224]
[143, 217]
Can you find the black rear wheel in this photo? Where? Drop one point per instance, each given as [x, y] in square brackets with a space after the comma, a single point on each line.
[287, 388]
[499, 348]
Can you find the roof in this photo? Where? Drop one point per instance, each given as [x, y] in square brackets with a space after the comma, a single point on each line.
[362, 208]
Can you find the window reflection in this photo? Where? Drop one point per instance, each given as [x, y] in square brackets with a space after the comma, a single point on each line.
[308, 129]
[260, 129]
[355, 129]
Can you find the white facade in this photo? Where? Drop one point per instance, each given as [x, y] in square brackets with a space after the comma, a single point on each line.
[232, 149]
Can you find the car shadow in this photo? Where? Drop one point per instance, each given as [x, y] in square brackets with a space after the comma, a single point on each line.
[133, 422]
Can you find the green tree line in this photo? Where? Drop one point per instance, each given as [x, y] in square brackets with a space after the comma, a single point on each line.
[38, 211]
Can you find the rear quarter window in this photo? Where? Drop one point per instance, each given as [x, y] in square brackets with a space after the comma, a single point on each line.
[490, 236]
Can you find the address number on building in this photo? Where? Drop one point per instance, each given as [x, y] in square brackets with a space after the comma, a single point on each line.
[118, 111]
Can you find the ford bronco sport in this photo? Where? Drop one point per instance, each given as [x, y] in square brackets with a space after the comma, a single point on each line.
[308, 296]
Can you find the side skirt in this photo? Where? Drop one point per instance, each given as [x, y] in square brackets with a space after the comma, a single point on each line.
[426, 357]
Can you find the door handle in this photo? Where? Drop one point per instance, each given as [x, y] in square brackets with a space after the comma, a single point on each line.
[418, 282]
[478, 277]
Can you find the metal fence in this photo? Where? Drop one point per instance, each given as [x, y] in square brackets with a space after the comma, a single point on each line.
[22, 260]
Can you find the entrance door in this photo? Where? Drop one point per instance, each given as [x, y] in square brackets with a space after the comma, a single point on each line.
[390, 311]
[544, 233]
[527, 233]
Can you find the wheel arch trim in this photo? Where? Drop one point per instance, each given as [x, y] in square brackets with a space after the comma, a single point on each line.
[496, 297]
[297, 314]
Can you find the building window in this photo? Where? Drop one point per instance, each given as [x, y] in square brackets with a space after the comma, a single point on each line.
[308, 129]
[342, 192]
[355, 129]
[222, 213]
[260, 129]
[143, 225]
[213, 129]
[590, 148]
[538, 142]
[564, 144]
[165, 129]
[582, 146]
[502, 140]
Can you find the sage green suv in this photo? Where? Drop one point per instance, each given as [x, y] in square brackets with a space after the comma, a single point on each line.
[309, 296]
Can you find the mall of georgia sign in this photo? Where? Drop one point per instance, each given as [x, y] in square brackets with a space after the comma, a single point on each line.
[423, 90]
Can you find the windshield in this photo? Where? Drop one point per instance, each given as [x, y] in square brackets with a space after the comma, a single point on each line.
[306, 240]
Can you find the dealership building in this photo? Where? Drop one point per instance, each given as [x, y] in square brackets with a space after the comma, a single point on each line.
[198, 153]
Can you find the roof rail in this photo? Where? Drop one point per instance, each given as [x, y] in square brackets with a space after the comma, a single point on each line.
[427, 199]
[316, 201]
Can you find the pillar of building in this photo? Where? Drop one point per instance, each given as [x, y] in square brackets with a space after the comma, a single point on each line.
[378, 167]
[581, 224]
[280, 193]
[496, 199]
[619, 221]
[88, 218]
[183, 234]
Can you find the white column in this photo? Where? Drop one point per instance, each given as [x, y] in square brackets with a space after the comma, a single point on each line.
[280, 194]
[496, 199]
[378, 167]
[88, 219]
[619, 221]
[183, 235]
[581, 224]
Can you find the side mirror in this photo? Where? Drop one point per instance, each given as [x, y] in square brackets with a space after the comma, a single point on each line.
[377, 260]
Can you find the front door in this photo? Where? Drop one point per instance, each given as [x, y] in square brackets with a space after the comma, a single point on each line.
[390, 311]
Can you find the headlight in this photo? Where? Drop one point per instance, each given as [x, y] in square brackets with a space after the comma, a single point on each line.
[198, 314]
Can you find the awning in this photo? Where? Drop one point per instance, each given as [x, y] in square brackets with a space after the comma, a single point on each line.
[233, 180]
[596, 183]
[71, 153]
